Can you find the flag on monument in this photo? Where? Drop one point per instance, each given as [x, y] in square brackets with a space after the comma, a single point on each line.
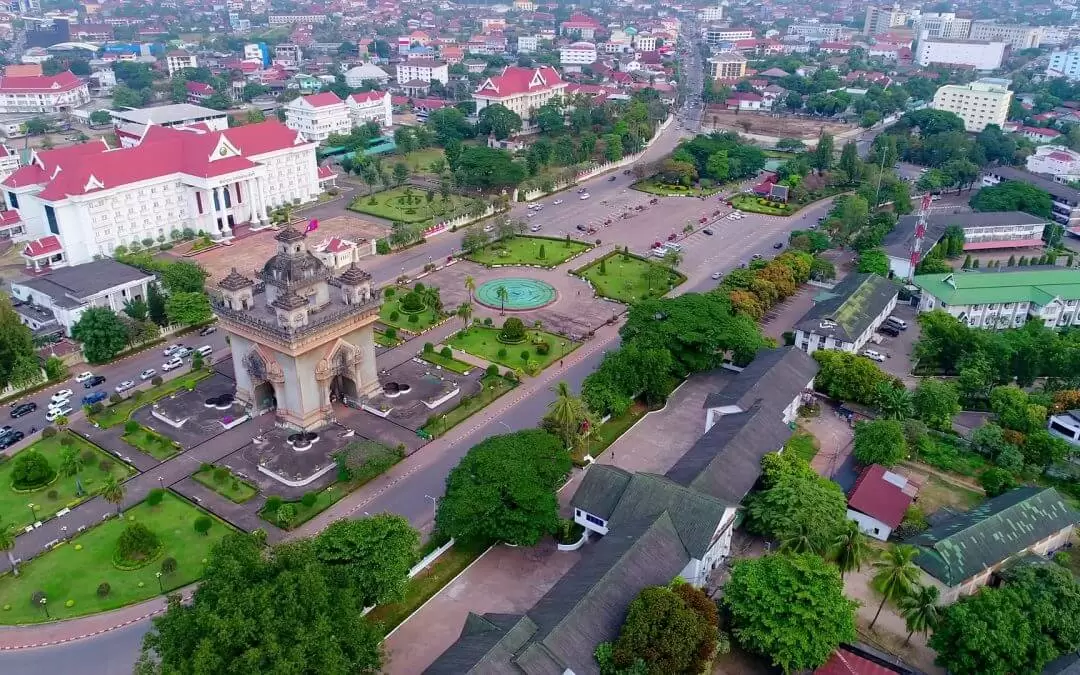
[312, 226]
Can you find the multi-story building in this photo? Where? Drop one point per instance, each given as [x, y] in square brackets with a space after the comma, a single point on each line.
[847, 320]
[880, 20]
[522, 90]
[370, 106]
[527, 44]
[88, 199]
[982, 102]
[942, 25]
[318, 116]
[816, 32]
[286, 19]
[1016, 36]
[424, 70]
[727, 65]
[1064, 63]
[179, 59]
[979, 54]
[42, 93]
[1008, 298]
[1056, 161]
[580, 25]
[1055, 35]
[131, 125]
[288, 54]
[59, 298]
[364, 73]
[645, 43]
[714, 35]
[709, 14]
[577, 54]
[1064, 200]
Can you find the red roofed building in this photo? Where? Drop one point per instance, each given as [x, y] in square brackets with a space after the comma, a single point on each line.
[93, 198]
[42, 93]
[879, 500]
[197, 92]
[581, 25]
[371, 106]
[318, 116]
[847, 660]
[522, 90]
[1039, 134]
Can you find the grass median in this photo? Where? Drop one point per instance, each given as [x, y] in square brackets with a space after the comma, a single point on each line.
[628, 278]
[483, 342]
[525, 250]
[492, 387]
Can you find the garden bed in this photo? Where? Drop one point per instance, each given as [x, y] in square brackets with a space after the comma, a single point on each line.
[384, 340]
[597, 442]
[222, 481]
[755, 204]
[74, 570]
[119, 412]
[623, 277]
[97, 466]
[526, 250]
[410, 205]
[483, 342]
[492, 387]
[148, 441]
[391, 314]
[654, 187]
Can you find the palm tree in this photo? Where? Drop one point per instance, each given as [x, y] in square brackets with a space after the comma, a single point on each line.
[470, 285]
[897, 575]
[920, 610]
[850, 549]
[802, 540]
[7, 545]
[113, 492]
[71, 463]
[464, 311]
[503, 296]
[567, 412]
[893, 402]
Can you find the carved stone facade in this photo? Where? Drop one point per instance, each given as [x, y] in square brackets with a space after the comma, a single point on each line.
[306, 340]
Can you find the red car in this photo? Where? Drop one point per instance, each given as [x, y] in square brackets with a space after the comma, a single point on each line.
[703, 219]
[656, 244]
[672, 237]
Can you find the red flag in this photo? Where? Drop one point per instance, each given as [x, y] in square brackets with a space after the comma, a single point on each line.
[312, 226]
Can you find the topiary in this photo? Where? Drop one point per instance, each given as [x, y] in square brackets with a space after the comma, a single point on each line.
[203, 523]
[487, 321]
[155, 496]
[131, 426]
[168, 566]
[412, 302]
[156, 381]
[524, 354]
[513, 330]
[414, 318]
[428, 347]
[390, 333]
[52, 495]
[137, 543]
[115, 398]
[272, 503]
[309, 499]
[104, 589]
[502, 352]
[394, 316]
[31, 470]
[543, 348]
[389, 293]
[492, 370]
[447, 352]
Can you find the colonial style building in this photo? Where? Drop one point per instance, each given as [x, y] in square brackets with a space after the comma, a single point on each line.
[371, 106]
[1057, 161]
[318, 116]
[92, 198]
[1005, 299]
[522, 90]
[42, 93]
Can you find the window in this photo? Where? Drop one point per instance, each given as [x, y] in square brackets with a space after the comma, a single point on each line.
[50, 216]
[13, 199]
[594, 520]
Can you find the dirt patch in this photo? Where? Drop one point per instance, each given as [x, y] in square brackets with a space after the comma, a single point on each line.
[764, 124]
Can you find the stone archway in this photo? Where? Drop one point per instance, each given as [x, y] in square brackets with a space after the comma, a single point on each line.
[264, 397]
[341, 373]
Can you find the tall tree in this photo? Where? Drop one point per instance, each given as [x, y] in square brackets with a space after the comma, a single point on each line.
[155, 305]
[102, 334]
[112, 491]
[849, 162]
[850, 549]
[920, 610]
[18, 363]
[371, 556]
[892, 400]
[880, 442]
[566, 415]
[72, 464]
[896, 576]
[822, 156]
[1012, 196]
[796, 499]
[188, 309]
[935, 402]
[183, 277]
[499, 121]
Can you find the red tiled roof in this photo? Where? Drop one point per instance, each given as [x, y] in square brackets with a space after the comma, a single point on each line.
[336, 245]
[580, 21]
[1060, 156]
[326, 172]
[843, 662]
[65, 81]
[199, 88]
[43, 246]
[322, 100]
[1039, 131]
[515, 81]
[9, 217]
[369, 96]
[878, 498]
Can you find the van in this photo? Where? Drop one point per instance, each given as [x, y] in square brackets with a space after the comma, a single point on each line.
[171, 365]
[204, 351]
[899, 323]
[54, 413]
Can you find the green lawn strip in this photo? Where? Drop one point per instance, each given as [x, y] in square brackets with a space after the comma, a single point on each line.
[654, 187]
[66, 573]
[624, 279]
[483, 342]
[396, 204]
[803, 445]
[158, 446]
[119, 412]
[425, 585]
[419, 160]
[97, 466]
[607, 433]
[525, 250]
[383, 340]
[448, 362]
[493, 386]
[424, 320]
[232, 487]
[751, 204]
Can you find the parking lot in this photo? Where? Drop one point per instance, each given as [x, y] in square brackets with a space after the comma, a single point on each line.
[898, 350]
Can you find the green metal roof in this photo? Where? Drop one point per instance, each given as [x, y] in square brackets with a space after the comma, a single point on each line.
[981, 288]
[991, 533]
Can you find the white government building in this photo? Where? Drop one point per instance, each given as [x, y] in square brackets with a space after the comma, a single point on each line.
[81, 201]
[318, 116]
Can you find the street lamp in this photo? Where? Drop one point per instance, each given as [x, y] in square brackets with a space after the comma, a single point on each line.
[33, 513]
[434, 506]
[161, 482]
[160, 586]
[45, 606]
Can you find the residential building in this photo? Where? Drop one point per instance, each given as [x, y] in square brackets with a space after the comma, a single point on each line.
[711, 14]
[1064, 63]
[528, 43]
[1066, 425]
[582, 26]
[288, 55]
[945, 25]
[131, 125]
[425, 70]
[880, 20]
[83, 201]
[1004, 299]
[978, 54]
[9, 161]
[996, 230]
[960, 555]
[863, 660]
[1039, 135]
[59, 297]
[318, 116]
[1016, 36]
[848, 315]
[714, 35]
[1056, 161]
[816, 32]
[1064, 200]
[979, 103]
[42, 93]
[178, 60]
[577, 54]
[878, 501]
[364, 73]
[645, 43]
[522, 90]
[371, 106]
[198, 92]
[286, 19]
[727, 65]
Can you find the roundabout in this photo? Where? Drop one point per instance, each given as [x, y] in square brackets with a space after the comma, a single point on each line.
[521, 294]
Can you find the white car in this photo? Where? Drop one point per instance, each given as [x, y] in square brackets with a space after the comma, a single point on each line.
[83, 377]
[181, 353]
[873, 356]
[556, 202]
[584, 195]
[534, 228]
[147, 374]
[55, 413]
[124, 386]
[171, 365]
[62, 396]
[487, 228]
[171, 349]
[717, 276]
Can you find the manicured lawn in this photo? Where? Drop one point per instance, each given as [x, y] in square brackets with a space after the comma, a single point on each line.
[447, 362]
[749, 203]
[655, 187]
[152, 443]
[97, 466]
[525, 250]
[936, 493]
[409, 205]
[68, 574]
[483, 342]
[384, 340]
[231, 487]
[118, 413]
[419, 160]
[624, 278]
[607, 433]
[425, 585]
[803, 445]
[494, 386]
[391, 314]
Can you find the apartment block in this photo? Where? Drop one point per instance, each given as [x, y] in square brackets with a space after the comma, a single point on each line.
[979, 103]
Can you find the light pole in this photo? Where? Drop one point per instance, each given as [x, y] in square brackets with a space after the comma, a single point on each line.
[33, 513]
[434, 506]
[160, 586]
[161, 482]
[45, 606]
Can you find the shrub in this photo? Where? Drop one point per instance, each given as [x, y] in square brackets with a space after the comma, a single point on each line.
[156, 381]
[52, 495]
[1063, 558]
[155, 496]
[36, 597]
[513, 330]
[502, 352]
[205, 466]
[273, 502]
[168, 566]
[412, 302]
[221, 474]
[390, 332]
[447, 352]
[137, 543]
[414, 318]
[309, 499]
[428, 347]
[96, 408]
[115, 398]
[104, 589]
[524, 354]
[203, 523]
[105, 465]
[389, 293]
[66, 441]
[492, 370]
[131, 426]
[543, 348]
[31, 470]
[69, 603]
[487, 321]
[395, 315]
[48, 432]
[88, 456]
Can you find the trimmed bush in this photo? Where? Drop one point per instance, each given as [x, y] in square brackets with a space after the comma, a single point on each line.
[131, 426]
[309, 499]
[502, 352]
[487, 321]
[168, 566]
[155, 496]
[395, 315]
[137, 543]
[273, 502]
[390, 333]
[524, 354]
[414, 318]
[412, 303]
[31, 471]
[203, 523]
[390, 292]
[492, 370]
[53, 495]
[104, 589]
[156, 381]
[447, 352]
[543, 348]
[513, 331]
[428, 348]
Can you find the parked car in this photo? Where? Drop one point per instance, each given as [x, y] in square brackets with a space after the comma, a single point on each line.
[611, 179]
[891, 331]
[23, 409]
[91, 399]
[584, 195]
[62, 396]
[171, 349]
[582, 228]
[708, 231]
[487, 228]
[535, 227]
[56, 413]
[717, 276]
[11, 439]
[873, 355]
[756, 256]
[94, 381]
[83, 377]
[208, 330]
[204, 351]
[147, 374]
[172, 365]
[124, 386]
[556, 202]
[778, 245]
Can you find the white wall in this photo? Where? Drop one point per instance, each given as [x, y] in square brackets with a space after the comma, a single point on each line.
[871, 527]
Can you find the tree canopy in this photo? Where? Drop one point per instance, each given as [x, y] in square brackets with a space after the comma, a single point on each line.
[101, 333]
[487, 168]
[372, 556]
[796, 501]
[18, 363]
[880, 442]
[1012, 196]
